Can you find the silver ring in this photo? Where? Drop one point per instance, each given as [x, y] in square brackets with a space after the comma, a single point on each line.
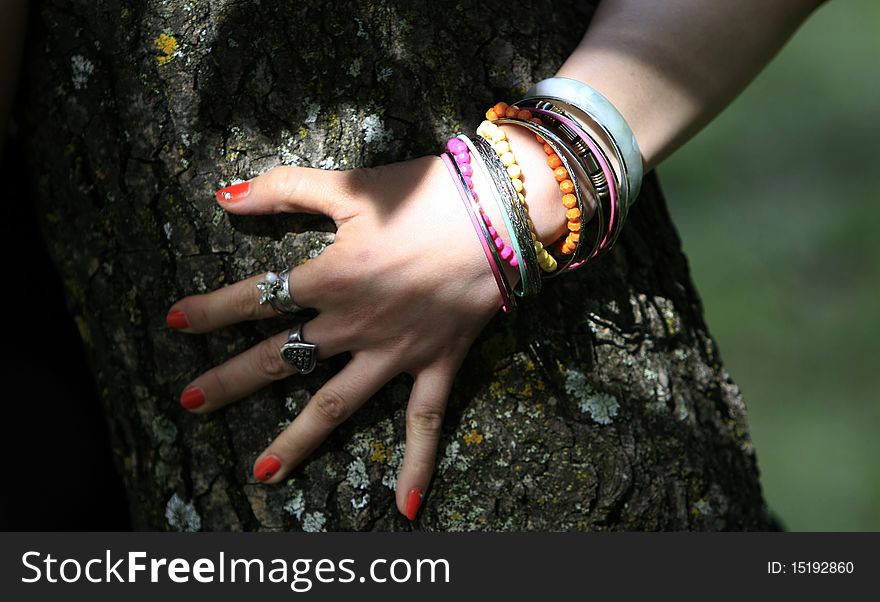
[296, 352]
[275, 290]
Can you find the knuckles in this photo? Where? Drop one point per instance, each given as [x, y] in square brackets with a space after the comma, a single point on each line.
[340, 279]
[283, 182]
[330, 406]
[425, 421]
[246, 305]
[269, 362]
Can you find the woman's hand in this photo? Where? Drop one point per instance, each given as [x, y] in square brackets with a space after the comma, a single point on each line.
[405, 287]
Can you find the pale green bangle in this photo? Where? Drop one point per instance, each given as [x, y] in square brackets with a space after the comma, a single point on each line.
[606, 117]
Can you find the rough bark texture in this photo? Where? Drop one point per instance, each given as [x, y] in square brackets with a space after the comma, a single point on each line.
[601, 405]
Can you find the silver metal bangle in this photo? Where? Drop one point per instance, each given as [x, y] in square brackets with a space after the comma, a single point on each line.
[606, 117]
[514, 218]
[617, 209]
[562, 108]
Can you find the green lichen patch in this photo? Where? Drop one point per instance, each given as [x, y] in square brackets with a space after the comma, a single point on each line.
[164, 431]
[182, 516]
[601, 407]
[295, 504]
[314, 522]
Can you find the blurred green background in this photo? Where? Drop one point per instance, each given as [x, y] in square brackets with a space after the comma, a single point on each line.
[778, 207]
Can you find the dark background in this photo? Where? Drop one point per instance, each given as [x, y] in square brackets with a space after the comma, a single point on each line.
[60, 474]
[777, 206]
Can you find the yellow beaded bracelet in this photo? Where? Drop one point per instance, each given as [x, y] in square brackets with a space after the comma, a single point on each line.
[498, 138]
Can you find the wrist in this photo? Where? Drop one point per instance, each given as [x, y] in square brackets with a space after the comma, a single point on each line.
[542, 190]
[543, 196]
[550, 199]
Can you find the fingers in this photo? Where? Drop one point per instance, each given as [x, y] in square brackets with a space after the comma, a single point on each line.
[288, 189]
[424, 421]
[328, 408]
[241, 301]
[257, 367]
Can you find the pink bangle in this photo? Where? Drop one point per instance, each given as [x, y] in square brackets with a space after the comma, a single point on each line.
[462, 156]
[475, 221]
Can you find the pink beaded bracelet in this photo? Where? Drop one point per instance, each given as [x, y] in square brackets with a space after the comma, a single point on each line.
[462, 156]
[458, 178]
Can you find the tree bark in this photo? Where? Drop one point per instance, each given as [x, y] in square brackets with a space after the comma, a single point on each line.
[600, 405]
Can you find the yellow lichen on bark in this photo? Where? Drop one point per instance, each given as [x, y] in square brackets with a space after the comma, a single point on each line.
[473, 437]
[167, 46]
[380, 452]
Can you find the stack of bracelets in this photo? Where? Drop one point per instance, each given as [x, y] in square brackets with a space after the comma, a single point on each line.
[563, 114]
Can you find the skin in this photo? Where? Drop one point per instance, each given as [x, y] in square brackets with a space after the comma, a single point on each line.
[372, 297]
[668, 67]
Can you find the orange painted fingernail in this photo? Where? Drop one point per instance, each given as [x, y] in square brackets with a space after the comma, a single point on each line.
[413, 502]
[176, 319]
[267, 468]
[233, 193]
[192, 398]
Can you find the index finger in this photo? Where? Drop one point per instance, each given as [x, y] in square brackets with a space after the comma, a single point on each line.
[289, 189]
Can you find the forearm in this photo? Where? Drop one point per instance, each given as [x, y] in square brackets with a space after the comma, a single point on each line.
[669, 67]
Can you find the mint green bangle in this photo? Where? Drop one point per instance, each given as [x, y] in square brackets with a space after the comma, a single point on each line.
[607, 118]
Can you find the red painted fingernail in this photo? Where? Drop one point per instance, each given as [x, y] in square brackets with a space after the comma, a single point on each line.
[233, 193]
[192, 398]
[267, 467]
[413, 502]
[176, 319]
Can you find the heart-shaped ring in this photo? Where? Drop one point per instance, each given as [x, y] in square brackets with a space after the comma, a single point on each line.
[301, 355]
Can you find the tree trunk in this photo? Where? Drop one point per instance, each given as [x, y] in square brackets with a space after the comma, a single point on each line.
[602, 404]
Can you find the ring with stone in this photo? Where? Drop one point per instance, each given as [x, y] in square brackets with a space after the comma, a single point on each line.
[301, 355]
[275, 290]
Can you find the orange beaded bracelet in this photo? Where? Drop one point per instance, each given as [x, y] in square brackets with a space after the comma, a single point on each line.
[566, 186]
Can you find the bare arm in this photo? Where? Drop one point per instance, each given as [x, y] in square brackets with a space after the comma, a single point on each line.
[669, 67]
